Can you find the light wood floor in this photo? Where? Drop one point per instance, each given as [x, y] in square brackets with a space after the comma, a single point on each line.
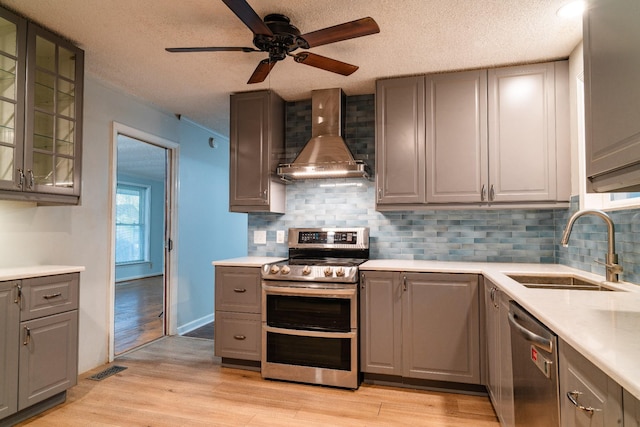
[138, 307]
[176, 381]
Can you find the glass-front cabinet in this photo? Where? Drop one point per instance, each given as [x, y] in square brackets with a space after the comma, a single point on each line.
[12, 69]
[41, 82]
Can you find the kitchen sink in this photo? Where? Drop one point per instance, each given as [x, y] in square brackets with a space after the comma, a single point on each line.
[559, 282]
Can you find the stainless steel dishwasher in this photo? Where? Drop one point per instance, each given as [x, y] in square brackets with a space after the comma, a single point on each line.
[534, 351]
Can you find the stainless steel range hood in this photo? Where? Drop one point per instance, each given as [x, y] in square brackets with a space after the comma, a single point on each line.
[326, 154]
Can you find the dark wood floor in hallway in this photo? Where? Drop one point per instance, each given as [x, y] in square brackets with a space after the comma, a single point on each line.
[139, 315]
[177, 381]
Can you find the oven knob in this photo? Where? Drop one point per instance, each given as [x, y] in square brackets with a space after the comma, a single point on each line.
[285, 269]
[306, 270]
[274, 269]
[340, 272]
[328, 272]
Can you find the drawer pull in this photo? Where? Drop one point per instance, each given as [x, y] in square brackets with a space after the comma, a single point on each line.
[240, 290]
[573, 398]
[27, 337]
[51, 296]
[239, 337]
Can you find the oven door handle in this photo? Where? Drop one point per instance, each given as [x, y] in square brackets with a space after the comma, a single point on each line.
[306, 333]
[302, 291]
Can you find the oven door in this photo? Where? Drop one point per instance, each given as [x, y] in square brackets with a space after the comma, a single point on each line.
[310, 335]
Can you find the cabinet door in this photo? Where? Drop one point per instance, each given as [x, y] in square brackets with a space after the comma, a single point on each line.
[47, 295]
[507, 414]
[631, 407]
[12, 83]
[522, 144]
[583, 384]
[492, 310]
[380, 323]
[256, 143]
[48, 357]
[238, 289]
[53, 141]
[9, 336]
[400, 144]
[441, 327]
[456, 112]
[612, 93]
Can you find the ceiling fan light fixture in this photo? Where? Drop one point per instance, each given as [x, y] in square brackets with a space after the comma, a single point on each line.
[572, 9]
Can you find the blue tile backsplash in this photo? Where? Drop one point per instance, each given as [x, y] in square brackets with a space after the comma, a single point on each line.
[502, 235]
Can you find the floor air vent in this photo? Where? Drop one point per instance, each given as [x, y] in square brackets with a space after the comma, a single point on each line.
[107, 372]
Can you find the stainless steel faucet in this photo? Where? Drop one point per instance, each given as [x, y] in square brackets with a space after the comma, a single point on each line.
[611, 259]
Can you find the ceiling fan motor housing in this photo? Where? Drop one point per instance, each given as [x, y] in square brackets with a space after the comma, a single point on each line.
[284, 39]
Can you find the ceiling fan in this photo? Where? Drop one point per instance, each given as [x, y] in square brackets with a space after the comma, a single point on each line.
[278, 37]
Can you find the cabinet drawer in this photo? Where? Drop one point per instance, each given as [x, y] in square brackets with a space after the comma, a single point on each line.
[238, 289]
[238, 335]
[43, 296]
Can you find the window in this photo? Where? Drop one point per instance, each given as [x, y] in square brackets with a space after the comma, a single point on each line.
[132, 223]
[607, 201]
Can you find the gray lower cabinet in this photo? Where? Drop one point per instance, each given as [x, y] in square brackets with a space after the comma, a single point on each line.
[39, 343]
[256, 148]
[612, 95]
[588, 397]
[499, 379]
[421, 325]
[631, 407]
[238, 309]
[9, 335]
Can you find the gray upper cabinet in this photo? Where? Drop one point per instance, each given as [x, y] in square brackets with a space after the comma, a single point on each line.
[522, 134]
[41, 95]
[400, 141]
[612, 94]
[9, 335]
[421, 325]
[457, 137]
[257, 146]
[490, 137]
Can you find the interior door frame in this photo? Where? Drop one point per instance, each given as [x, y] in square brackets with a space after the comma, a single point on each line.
[171, 227]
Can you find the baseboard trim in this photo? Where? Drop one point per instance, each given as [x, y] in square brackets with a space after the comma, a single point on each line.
[195, 324]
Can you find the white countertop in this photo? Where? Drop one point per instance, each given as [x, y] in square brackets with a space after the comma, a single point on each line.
[247, 261]
[15, 273]
[603, 326]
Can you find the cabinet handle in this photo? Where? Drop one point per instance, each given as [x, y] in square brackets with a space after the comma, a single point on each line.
[239, 290]
[21, 179]
[404, 283]
[573, 398]
[264, 193]
[362, 278]
[492, 193]
[239, 337]
[18, 299]
[32, 179]
[27, 337]
[483, 193]
[379, 194]
[51, 296]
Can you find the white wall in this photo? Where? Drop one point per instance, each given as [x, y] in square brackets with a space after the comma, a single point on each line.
[80, 235]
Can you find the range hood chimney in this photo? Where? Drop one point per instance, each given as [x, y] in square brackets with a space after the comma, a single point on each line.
[326, 154]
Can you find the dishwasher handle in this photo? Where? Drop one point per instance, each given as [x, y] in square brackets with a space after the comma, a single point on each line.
[544, 343]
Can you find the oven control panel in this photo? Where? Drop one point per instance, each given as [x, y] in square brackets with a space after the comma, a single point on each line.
[346, 238]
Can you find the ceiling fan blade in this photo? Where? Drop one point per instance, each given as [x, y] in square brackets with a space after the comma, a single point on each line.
[211, 49]
[262, 71]
[348, 30]
[249, 16]
[325, 63]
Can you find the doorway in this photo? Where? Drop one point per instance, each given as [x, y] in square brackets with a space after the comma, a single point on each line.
[143, 183]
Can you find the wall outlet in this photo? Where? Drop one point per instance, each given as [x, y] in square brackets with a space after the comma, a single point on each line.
[280, 236]
[260, 237]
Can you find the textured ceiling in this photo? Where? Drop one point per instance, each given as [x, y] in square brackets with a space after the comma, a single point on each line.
[124, 42]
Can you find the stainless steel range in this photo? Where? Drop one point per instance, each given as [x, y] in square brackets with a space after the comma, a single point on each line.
[310, 308]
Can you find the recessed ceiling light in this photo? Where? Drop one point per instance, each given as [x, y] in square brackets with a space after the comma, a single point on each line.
[571, 9]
